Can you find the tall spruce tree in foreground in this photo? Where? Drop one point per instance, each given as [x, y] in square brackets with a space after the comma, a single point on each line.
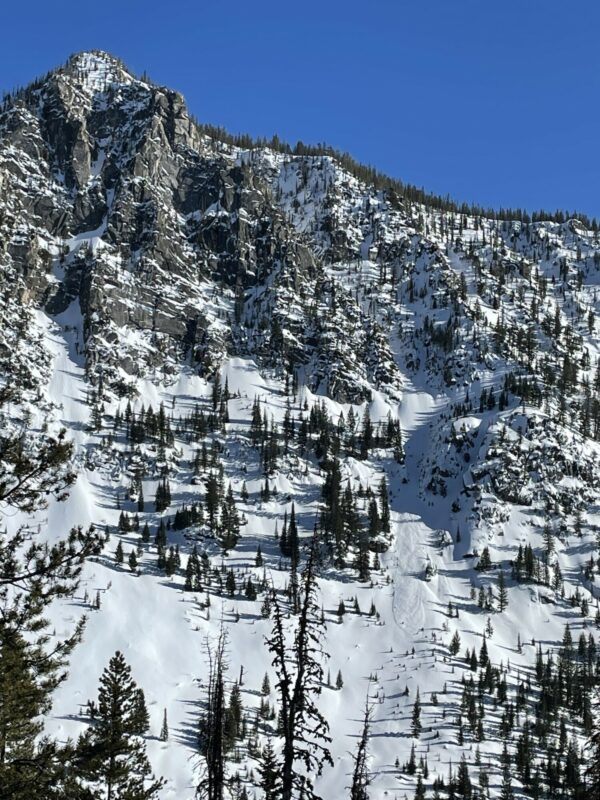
[299, 673]
[33, 573]
[113, 754]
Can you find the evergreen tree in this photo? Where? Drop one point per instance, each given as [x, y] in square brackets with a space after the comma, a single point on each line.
[366, 440]
[360, 774]
[212, 727]
[455, 644]
[115, 760]
[265, 689]
[464, 788]
[32, 575]
[299, 680]
[132, 561]
[485, 562]
[420, 790]
[268, 770]
[164, 731]
[140, 719]
[229, 530]
[502, 592]
[162, 498]
[506, 789]
[593, 750]
[416, 717]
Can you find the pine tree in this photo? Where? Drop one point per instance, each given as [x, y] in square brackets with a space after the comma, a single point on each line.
[455, 644]
[385, 506]
[485, 562]
[34, 468]
[22, 699]
[119, 556]
[299, 679]
[233, 718]
[292, 538]
[360, 774]
[229, 531]
[416, 717]
[164, 731]
[162, 498]
[366, 441]
[211, 738]
[269, 773]
[266, 686]
[115, 761]
[506, 790]
[140, 719]
[132, 561]
[420, 790]
[464, 787]
[548, 537]
[502, 592]
[593, 750]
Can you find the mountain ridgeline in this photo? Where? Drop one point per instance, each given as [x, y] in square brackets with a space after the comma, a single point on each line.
[315, 422]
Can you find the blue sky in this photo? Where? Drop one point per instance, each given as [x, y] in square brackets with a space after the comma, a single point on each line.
[491, 102]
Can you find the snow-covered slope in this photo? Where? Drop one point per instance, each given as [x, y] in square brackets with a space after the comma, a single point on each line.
[145, 264]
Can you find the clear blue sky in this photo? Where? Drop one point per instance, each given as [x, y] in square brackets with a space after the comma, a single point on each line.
[491, 102]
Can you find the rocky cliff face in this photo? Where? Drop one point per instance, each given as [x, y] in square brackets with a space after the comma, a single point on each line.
[113, 198]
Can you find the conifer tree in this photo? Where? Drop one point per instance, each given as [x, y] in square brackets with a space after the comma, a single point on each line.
[366, 440]
[416, 717]
[506, 790]
[132, 561]
[269, 773]
[114, 758]
[593, 753]
[229, 530]
[455, 644]
[385, 506]
[502, 592]
[294, 550]
[464, 787]
[265, 689]
[140, 720]
[420, 789]
[299, 680]
[145, 533]
[32, 575]
[360, 774]
[164, 731]
[212, 726]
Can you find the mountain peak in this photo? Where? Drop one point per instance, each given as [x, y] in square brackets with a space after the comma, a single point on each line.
[97, 70]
